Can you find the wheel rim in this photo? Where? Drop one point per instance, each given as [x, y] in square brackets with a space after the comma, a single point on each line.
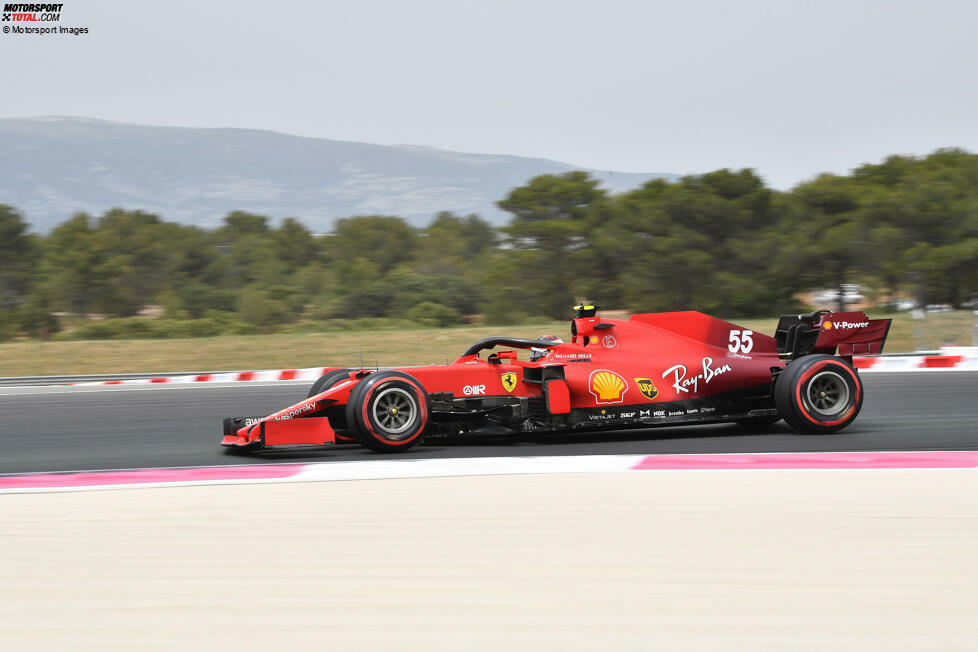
[395, 411]
[828, 393]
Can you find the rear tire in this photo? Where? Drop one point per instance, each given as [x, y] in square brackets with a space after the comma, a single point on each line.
[818, 394]
[388, 411]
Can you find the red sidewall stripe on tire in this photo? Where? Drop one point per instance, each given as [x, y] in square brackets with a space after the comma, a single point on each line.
[422, 411]
[811, 372]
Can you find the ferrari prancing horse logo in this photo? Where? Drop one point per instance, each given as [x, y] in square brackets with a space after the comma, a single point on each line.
[509, 381]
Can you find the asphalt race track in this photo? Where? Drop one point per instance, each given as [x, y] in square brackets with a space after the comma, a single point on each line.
[122, 427]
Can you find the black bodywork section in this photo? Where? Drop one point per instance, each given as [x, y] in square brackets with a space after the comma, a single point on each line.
[491, 342]
[501, 415]
[796, 334]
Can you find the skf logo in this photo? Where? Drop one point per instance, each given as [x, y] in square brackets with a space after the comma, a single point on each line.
[607, 387]
[509, 381]
[647, 387]
[474, 390]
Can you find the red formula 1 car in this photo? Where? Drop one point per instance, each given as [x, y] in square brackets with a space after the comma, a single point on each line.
[658, 369]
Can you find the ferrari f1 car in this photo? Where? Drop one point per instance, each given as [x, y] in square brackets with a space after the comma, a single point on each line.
[658, 369]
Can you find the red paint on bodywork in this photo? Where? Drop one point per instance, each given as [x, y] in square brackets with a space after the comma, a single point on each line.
[852, 337]
[705, 329]
[250, 435]
[313, 430]
[558, 397]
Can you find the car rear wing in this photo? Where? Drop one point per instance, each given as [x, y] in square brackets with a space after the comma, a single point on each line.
[823, 331]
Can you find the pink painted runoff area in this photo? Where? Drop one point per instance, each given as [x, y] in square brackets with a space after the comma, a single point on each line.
[854, 460]
[427, 468]
[149, 476]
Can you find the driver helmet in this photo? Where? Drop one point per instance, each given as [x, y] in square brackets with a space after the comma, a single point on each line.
[539, 352]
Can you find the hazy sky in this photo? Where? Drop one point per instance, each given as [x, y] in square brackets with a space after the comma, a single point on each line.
[788, 88]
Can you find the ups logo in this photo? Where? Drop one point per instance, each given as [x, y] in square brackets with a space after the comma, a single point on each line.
[647, 387]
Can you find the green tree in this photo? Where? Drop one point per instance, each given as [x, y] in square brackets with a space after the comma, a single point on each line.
[294, 245]
[831, 232]
[384, 241]
[453, 245]
[550, 220]
[708, 242]
[241, 224]
[18, 253]
[69, 263]
[923, 217]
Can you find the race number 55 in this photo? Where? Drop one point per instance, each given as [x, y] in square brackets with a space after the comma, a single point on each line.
[741, 341]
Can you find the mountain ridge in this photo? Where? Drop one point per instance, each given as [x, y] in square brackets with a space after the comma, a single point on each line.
[54, 166]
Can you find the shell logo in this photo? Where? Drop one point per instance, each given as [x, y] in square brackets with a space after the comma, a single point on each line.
[828, 326]
[607, 387]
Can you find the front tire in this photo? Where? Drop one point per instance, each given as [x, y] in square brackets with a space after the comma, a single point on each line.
[388, 411]
[327, 380]
[818, 394]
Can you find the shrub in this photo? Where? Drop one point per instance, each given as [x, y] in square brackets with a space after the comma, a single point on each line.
[262, 311]
[141, 328]
[433, 315]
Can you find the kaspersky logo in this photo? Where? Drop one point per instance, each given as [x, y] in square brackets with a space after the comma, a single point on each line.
[844, 325]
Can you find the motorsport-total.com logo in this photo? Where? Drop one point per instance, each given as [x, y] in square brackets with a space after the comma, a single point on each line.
[30, 13]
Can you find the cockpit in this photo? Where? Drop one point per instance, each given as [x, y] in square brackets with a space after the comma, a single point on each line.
[584, 329]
